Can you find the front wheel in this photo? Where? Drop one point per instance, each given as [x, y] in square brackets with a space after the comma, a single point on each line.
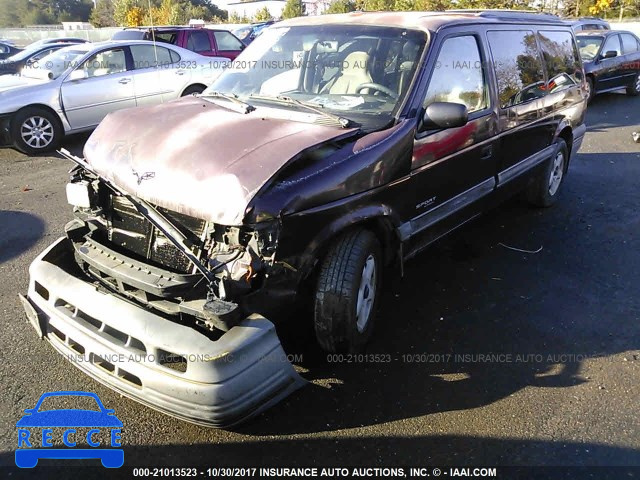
[192, 90]
[546, 187]
[591, 92]
[347, 292]
[634, 88]
[35, 130]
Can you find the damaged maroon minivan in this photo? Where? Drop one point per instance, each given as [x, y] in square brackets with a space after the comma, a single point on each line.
[333, 147]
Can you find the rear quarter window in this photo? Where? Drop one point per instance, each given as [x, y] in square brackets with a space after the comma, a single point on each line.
[629, 43]
[518, 67]
[226, 41]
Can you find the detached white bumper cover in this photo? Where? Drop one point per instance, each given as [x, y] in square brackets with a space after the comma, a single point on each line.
[129, 349]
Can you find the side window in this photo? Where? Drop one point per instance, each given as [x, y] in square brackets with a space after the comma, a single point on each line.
[105, 63]
[226, 41]
[3, 49]
[38, 56]
[561, 59]
[199, 42]
[518, 68]
[629, 43]
[148, 56]
[166, 37]
[612, 44]
[175, 58]
[458, 76]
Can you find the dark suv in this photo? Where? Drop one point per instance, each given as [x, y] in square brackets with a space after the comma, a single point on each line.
[205, 41]
[334, 147]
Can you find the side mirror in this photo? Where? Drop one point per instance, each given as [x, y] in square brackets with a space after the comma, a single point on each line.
[444, 115]
[77, 74]
[609, 54]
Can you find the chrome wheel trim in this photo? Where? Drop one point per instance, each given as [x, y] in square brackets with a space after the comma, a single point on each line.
[557, 171]
[37, 132]
[366, 293]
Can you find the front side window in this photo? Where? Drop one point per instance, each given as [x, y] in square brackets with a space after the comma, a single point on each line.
[150, 56]
[561, 59]
[589, 47]
[629, 43]
[458, 75]
[226, 41]
[518, 68]
[199, 42]
[358, 72]
[612, 44]
[105, 63]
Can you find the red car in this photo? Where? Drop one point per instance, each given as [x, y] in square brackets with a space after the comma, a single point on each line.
[205, 41]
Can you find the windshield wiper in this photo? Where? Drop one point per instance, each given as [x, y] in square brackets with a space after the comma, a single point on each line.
[343, 122]
[247, 108]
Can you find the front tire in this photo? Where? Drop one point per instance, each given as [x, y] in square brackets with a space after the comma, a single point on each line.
[591, 92]
[634, 88]
[36, 130]
[193, 89]
[545, 189]
[346, 296]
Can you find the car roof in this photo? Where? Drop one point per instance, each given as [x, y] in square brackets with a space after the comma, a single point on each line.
[600, 33]
[427, 21]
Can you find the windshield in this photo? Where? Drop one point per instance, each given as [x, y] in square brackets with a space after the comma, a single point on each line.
[361, 73]
[56, 63]
[589, 47]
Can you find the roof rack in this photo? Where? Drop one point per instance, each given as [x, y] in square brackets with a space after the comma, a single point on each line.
[503, 14]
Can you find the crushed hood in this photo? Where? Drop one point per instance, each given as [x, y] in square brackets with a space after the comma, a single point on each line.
[197, 158]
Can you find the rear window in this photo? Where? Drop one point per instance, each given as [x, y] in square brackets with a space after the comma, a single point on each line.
[561, 59]
[518, 67]
[128, 35]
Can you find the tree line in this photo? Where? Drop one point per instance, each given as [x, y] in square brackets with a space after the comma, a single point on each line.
[112, 13]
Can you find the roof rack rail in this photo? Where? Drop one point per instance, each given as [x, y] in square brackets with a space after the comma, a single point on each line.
[504, 14]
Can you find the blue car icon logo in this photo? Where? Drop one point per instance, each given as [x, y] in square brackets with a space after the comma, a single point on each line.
[98, 423]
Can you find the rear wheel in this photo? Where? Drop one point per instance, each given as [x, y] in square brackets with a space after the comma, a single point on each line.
[36, 130]
[546, 187]
[192, 90]
[346, 296]
[634, 88]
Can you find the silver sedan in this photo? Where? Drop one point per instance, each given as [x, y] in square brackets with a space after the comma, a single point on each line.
[73, 89]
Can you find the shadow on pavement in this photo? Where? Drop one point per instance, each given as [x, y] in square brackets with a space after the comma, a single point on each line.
[19, 231]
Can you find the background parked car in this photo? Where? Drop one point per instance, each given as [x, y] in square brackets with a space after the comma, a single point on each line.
[204, 41]
[7, 49]
[248, 33]
[589, 23]
[80, 84]
[611, 61]
[28, 57]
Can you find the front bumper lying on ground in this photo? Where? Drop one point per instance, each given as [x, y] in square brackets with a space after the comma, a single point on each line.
[170, 367]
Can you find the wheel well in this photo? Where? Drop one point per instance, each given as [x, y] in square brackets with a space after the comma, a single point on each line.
[567, 135]
[194, 85]
[41, 107]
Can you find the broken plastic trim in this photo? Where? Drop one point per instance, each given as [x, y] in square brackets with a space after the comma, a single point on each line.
[150, 213]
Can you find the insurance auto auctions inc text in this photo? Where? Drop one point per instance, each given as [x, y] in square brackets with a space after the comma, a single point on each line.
[337, 472]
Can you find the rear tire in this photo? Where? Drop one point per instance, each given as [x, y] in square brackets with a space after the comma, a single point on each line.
[545, 189]
[36, 130]
[347, 292]
[192, 89]
[634, 88]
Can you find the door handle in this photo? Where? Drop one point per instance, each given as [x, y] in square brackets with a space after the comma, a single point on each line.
[180, 72]
[486, 152]
[124, 81]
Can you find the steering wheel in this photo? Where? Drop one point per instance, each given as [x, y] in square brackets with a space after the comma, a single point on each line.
[378, 87]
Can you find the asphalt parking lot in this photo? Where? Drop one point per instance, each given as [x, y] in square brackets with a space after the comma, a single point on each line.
[498, 357]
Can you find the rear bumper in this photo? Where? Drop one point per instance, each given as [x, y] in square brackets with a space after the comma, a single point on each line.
[226, 381]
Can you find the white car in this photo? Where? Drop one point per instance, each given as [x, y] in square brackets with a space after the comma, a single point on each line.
[73, 89]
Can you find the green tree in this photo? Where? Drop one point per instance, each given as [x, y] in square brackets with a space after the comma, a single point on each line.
[292, 9]
[341, 6]
[102, 15]
[262, 15]
[235, 18]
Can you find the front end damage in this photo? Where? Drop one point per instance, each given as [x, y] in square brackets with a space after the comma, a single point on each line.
[150, 302]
